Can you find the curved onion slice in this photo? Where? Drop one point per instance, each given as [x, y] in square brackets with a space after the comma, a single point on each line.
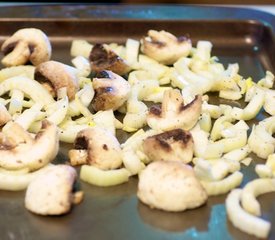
[12, 182]
[98, 177]
[243, 220]
[30, 87]
[224, 185]
[254, 189]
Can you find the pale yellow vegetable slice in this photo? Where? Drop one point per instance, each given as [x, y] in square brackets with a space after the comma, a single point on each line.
[267, 81]
[252, 190]
[238, 154]
[16, 101]
[202, 147]
[243, 220]
[235, 142]
[68, 134]
[30, 87]
[151, 65]
[83, 66]
[132, 162]
[205, 122]
[230, 94]
[223, 186]
[81, 48]
[269, 105]
[261, 143]
[17, 182]
[105, 119]
[29, 116]
[27, 71]
[246, 161]
[252, 108]
[98, 177]
[60, 112]
[132, 50]
[263, 171]
[214, 110]
[218, 126]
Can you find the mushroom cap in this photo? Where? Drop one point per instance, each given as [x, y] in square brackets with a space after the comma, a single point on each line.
[57, 75]
[165, 47]
[174, 145]
[102, 58]
[32, 154]
[50, 193]
[111, 91]
[173, 113]
[103, 149]
[27, 44]
[170, 186]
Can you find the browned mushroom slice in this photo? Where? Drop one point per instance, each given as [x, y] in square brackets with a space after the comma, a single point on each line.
[55, 75]
[111, 91]
[51, 192]
[174, 145]
[105, 59]
[97, 147]
[28, 152]
[165, 47]
[173, 113]
[27, 44]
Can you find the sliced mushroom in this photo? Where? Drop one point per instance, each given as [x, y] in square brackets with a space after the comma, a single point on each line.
[15, 134]
[32, 154]
[174, 145]
[55, 75]
[96, 147]
[165, 47]
[173, 113]
[51, 193]
[111, 91]
[27, 44]
[170, 186]
[4, 115]
[103, 58]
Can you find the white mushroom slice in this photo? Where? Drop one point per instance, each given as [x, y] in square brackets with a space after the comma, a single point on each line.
[51, 192]
[174, 145]
[55, 75]
[103, 58]
[103, 149]
[32, 155]
[16, 134]
[27, 44]
[170, 186]
[111, 91]
[4, 115]
[173, 113]
[165, 47]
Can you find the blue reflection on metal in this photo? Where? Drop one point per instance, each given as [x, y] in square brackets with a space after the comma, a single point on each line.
[217, 227]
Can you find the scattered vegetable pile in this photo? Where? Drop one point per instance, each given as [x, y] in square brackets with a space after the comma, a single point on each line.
[183, 148]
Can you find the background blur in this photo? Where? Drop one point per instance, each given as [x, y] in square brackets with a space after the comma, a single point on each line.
[242, 2]
[219, 2]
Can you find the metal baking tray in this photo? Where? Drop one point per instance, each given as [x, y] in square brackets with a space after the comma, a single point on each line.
[238, 35]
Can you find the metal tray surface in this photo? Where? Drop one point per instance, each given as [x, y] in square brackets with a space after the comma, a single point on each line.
[242, 36]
